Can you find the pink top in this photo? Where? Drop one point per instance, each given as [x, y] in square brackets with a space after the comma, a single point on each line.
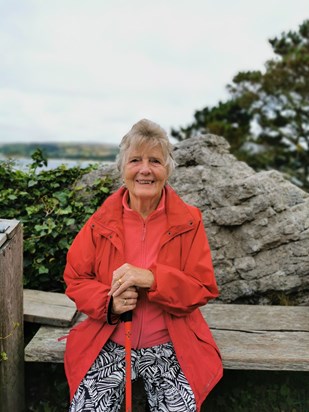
[142, 239]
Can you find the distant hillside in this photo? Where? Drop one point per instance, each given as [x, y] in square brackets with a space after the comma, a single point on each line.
[76, 151]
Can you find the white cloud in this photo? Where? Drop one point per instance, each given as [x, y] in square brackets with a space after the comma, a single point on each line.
[76, 70]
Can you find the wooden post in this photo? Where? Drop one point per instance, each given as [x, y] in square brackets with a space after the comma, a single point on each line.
[11, 317]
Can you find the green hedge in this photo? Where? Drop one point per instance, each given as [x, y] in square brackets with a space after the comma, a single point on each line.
[52, 207]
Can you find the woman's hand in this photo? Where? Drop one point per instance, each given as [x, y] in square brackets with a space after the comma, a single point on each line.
[127, 276]
[126, 301]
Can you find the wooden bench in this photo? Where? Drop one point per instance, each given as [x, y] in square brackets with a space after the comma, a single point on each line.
[249, 336]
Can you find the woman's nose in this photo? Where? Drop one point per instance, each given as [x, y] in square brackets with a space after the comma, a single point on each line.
[145, 167]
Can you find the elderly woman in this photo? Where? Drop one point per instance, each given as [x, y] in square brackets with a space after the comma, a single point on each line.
[144, 251]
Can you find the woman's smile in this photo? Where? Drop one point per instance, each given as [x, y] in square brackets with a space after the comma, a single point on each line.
[144, 182]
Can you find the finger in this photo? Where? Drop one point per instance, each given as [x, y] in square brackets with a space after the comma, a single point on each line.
[122, 305]
[120, 287]
[117, 279]
[118, 290]
[116, 284]
[118, 273]
[127, 304]
[123, 273]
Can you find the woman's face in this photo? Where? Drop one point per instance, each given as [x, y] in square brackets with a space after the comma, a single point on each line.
[144, 173]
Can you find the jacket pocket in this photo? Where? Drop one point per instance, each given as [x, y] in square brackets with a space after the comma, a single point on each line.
[199, 327]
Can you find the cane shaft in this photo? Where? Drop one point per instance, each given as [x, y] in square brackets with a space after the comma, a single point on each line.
[128, 326]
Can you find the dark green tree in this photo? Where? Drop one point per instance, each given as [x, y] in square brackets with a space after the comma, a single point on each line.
[266, 119]
[278, 100]
[227, 119]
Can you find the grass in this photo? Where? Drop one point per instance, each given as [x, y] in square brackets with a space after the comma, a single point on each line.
[238, 391]
[260, 391]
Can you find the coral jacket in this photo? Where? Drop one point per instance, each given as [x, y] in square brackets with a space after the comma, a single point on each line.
[184, 280]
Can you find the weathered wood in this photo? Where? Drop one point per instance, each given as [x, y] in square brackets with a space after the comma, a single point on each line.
[7, 229]
[257, 317]
[11, 318]
[249, 337]
[49, 308]
[264, 350]
[239, 350]
[2, 238]
[46, 346]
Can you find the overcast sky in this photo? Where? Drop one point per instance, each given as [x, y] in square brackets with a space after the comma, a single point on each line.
[76, 70]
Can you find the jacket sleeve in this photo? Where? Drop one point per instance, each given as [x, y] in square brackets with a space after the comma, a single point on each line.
[181, 290]
[89, 295]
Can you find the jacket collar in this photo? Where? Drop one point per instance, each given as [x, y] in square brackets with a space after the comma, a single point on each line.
[179, 217]
[178, 213]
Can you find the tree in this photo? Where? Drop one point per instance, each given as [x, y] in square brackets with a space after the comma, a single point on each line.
[278, 100]
[228, 119]
[276, 105]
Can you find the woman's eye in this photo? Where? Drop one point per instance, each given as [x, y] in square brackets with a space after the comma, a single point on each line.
[134, 160]
[155, 161]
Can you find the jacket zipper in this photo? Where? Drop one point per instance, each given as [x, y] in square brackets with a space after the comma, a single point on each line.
[143, 297]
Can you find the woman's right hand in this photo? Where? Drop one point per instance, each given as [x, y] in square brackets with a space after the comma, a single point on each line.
[126, 301]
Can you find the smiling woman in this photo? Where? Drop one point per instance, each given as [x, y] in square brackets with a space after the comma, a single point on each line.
[145, 166]
[144, 251]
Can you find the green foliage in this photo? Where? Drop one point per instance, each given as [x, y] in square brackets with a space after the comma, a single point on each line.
[52, 207]
[46, 388]
[259, 391]
[266, 119]
[278, 100]
[3, 356]
[227, 119]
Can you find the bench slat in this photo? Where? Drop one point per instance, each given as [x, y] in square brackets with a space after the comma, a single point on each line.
[239, 350]
[45, 346]
[256, 317]
[264, 351]
[48, 308]
[281, 343]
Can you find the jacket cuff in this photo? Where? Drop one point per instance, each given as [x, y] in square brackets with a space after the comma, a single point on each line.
[153, 287]
[112, 319]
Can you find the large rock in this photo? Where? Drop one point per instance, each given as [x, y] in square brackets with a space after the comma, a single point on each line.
[257, 223]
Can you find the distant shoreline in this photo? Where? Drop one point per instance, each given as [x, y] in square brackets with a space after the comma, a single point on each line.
[83, 152]
[21, 163]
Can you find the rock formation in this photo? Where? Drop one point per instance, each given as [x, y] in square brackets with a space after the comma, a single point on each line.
[257, 223]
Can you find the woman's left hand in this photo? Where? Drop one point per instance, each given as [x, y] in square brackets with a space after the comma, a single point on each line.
[128, 275]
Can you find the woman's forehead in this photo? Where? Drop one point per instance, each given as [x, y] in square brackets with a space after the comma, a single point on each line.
[145, 149]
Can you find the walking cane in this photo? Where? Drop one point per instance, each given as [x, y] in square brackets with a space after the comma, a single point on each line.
[127, 319]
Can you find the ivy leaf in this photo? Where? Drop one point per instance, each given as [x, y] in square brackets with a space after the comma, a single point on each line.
[65, 211]
[3, 356]
[61, 196]
[43, 269]
[32, 183]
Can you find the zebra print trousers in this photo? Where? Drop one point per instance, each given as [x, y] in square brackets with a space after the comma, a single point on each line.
[166, 387]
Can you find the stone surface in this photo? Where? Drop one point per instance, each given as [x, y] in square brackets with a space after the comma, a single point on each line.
[257, 223]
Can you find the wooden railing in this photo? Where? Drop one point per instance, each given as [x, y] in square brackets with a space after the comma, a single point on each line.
[11, 317]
